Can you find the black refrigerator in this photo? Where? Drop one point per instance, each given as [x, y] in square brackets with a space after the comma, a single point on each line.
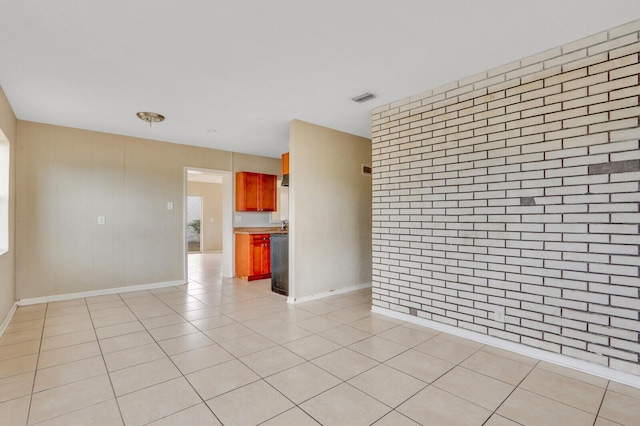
[280, 263]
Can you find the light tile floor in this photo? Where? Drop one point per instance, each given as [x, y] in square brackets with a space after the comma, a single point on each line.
[223, 351]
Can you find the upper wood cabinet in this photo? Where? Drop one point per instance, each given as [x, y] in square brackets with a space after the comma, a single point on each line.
[256, 192]
[285, 169]
[285, 163]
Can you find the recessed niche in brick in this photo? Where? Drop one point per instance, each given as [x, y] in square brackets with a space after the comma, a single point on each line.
[615, 167]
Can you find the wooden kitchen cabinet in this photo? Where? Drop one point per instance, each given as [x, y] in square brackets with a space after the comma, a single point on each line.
[256, 192]
[253, 256]
[285, 169]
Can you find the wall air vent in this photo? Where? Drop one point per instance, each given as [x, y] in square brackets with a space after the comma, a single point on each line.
[364, 97]
[365, 169]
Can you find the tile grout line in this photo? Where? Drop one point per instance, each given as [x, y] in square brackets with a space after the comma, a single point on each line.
[264, 379]
[604, 395]
[76, 381]
[115, 397]
[35, 373]
[495, 412]
[268, 313]
[203, 401]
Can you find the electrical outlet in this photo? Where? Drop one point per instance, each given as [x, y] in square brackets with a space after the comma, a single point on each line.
[498, 313]
[169, 205]
[102, 220]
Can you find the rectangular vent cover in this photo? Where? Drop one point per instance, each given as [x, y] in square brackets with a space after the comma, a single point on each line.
[366, 170]
[364, 97]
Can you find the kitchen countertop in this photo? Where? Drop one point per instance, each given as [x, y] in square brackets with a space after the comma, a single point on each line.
[266, 230]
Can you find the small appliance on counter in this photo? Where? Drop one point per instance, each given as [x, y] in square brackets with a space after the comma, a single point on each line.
[280, 263]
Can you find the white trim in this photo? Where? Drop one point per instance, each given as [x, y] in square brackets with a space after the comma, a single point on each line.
[292, 223]
[6, 200]
[228, 239]
[554, 358]
[183, 223]
[294, 300]
[8, 318]
[92, 293]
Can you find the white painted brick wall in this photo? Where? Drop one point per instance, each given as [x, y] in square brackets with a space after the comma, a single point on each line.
[519, 187]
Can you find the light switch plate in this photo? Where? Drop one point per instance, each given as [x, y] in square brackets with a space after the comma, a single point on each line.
[169, 205]
[102, 220]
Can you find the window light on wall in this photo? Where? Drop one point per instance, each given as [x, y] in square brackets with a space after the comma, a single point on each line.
[4, 193]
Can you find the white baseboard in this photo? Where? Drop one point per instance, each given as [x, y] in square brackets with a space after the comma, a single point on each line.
[292, 300]
[558, 359]
[7, 319]
[92, 293]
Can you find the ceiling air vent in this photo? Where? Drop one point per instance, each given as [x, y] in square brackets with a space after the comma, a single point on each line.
[365, 170]
[364, 97]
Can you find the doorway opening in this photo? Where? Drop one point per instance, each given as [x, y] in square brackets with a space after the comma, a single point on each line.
[194, 224]
[208, 216]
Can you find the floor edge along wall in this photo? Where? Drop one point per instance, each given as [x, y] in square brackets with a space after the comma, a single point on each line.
[553, 358]
[81, 295]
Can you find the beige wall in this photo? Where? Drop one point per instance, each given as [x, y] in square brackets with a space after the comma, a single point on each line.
[211, 231]
[330, 210]
[257, 164]
[67, 177]
[8, 125]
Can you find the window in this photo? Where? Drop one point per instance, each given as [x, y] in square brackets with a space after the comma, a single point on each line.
[4, 193]
[282, 203]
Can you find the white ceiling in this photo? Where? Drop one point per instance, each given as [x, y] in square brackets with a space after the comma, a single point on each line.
[231, 74]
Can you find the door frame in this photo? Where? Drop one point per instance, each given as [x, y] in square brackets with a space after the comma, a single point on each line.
[227, 220]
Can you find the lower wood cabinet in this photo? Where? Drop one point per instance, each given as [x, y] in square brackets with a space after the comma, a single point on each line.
[253, 256]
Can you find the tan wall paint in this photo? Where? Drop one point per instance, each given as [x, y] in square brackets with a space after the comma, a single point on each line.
[257, 164]
[8, 124]
[330, 209]
[67, 177]
[211, 208]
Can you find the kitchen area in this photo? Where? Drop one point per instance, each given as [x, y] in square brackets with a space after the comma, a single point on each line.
[262, 252]
[304, 220]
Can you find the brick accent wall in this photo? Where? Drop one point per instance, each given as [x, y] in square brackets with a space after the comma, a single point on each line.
[518, 189]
